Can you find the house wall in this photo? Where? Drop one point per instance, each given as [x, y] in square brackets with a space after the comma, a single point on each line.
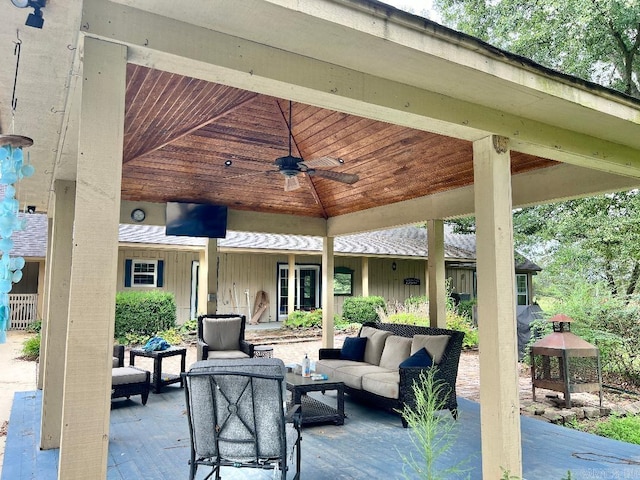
[239, 273]
[177, 274]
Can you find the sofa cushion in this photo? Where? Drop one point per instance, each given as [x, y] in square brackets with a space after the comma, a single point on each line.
[385, 384]
[396, 350]
[352, 375]
[353, 348]
[115, 362]
[126, 375]
[419, 359]
[435, 345]
[222, 333]
[231, 354]
[375, 344]
[329, 366]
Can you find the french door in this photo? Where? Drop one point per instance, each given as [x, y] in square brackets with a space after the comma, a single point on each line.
[306, 290]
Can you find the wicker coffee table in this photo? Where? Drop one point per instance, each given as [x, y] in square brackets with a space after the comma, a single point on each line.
[315, 411]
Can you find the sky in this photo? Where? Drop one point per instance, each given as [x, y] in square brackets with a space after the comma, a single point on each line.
[416, 5]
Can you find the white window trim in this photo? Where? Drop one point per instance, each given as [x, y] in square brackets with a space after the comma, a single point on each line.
[285, 267]
[525, 293]
[135, 262]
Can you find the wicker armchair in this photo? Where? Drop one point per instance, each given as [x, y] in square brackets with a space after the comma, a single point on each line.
[244, 400]
[222, 336]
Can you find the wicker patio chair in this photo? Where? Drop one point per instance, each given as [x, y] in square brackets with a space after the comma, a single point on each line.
[237, 418]
[222, 337]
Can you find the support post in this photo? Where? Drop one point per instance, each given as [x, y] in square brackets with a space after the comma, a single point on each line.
[43, 304]
[499, 389]
[437, 282]
[327, 292]
[292, 286]
[87, 375]
[58, 308]
[365, 276]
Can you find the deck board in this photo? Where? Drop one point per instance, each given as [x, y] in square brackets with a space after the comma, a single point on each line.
[152, 442]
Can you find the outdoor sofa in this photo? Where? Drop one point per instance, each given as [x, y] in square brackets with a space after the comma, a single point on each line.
[391, 360]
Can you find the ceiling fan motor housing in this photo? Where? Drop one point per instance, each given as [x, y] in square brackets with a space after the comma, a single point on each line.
[289, 166]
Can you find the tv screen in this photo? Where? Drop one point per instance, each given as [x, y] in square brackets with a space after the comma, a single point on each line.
[196, 220]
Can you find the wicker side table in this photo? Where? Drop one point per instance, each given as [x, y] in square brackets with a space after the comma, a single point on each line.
[264, 351]
[161, 379]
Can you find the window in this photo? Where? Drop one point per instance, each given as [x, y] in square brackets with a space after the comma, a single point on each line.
[522, 290]
[143, 273]
[343, 281]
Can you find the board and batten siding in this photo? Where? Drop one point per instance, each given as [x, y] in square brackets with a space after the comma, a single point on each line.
[242, 273]
[177, 275]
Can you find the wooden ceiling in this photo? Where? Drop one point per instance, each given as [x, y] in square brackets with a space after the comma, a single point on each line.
[180, 131]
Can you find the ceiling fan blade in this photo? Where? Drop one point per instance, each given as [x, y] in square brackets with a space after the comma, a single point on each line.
[291, 183]
[323, 162]
[348, 178]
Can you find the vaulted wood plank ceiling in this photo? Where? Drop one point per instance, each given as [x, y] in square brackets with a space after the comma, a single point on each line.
[180, 131]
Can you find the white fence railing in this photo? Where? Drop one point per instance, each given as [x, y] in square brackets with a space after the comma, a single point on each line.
[24, 310]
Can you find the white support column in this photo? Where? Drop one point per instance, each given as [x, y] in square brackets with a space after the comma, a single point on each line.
[58, 308]
[365, 276]
[43, 293]
[203, 280]
[499, 392]
[87, 376]
[212, 277]
[292, 286]
[437, 282]
[327, 292]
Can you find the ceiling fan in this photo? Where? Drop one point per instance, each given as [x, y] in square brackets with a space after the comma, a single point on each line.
[291, 167]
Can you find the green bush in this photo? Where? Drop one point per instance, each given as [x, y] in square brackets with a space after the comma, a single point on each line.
[35, 327]
[408, 318]
[31, 348]
[465, 307]
[362, 309]
[302, 319]
[462, 323]
[625, 429]
[144, 313]
[416, 301]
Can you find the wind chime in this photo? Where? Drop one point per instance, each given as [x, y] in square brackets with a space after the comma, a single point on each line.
[13, 168]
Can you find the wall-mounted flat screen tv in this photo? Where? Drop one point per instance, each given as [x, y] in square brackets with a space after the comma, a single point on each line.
[196, 220]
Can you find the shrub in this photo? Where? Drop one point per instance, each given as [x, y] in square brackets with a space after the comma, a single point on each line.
[144, 313]
[432, 434]
[465, 307]
[462, 323]
[31, 348]
[416, 301]
[408, 318]
[302, 319]
[362, 309]
[625, 429]
[35, 327]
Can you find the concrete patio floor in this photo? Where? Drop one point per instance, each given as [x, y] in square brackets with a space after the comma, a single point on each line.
[152, 442]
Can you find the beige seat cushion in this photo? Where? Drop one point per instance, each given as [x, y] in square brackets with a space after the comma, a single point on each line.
[396, 350]
[385, 384]
[329, 366]
[222, 333]
[375, 344]
[115, 363]
[126, 375]
[351, 376]
[231, 354]
[435, 345]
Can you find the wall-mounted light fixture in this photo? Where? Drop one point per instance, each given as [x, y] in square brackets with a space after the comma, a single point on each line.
[34, 19]
[394, 266]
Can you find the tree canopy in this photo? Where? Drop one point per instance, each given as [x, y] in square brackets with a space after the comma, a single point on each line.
[597, 40]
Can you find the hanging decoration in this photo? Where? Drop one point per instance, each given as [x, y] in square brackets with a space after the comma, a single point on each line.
[13, 168]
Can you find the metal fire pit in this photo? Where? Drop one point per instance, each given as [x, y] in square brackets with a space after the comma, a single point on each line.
[564, 362]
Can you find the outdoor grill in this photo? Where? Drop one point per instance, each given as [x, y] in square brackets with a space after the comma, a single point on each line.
[564, 362]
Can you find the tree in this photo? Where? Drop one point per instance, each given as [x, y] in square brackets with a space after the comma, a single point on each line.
[597, 40]
[597, 237]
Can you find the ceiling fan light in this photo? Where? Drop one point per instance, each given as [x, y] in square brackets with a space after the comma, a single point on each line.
[228, 163]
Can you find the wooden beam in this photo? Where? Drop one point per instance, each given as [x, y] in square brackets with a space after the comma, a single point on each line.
[87, 375]
[499, 389]
[58, 316]
[327, 292]
[437, 281]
